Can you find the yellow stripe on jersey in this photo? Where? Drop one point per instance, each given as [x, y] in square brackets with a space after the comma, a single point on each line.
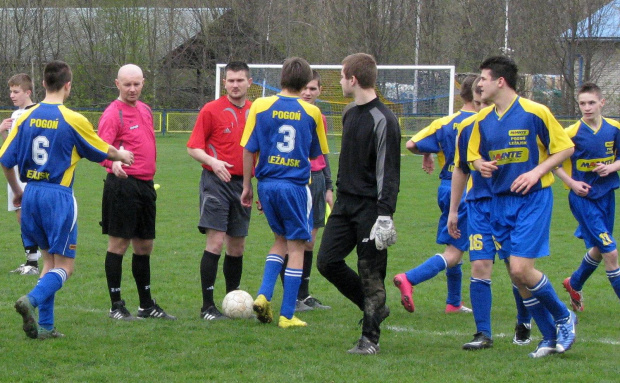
[558, 139]
[314, 112]
[258, 106]
[13, 131]
[85, 129]
[473, 148]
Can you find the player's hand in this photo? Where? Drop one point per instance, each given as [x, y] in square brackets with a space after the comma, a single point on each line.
[6, 124]
[428, 163]
[525, 181]
[117, 169]
[453, 225]
[487, 168]
[220, 169]
[602, 170]
[17, 198]
[126, 156]
[259, 207]
[383, 232]
[329, 198]
[247, 195]
[580, 188]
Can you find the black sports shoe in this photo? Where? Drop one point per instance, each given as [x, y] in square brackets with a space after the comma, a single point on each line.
[154, 312]
[315, 303]
[479, 342]
[120, 312]
[364, 346]
[212, 313]
[522, 334]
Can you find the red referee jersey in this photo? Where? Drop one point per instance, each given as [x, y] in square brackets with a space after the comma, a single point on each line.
[218, 132]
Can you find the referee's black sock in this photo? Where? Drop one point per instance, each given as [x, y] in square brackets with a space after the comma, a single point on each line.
[113, 274]
[208, 272]
[141, 267]
[233, 267]
[304, 288]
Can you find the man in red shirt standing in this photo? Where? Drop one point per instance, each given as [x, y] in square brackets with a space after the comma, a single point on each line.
[128, 194]
[214, 143]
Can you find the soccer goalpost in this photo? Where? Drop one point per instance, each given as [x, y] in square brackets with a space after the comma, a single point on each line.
[417, 94]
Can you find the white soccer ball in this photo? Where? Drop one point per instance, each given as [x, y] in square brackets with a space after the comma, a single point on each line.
[238, 304]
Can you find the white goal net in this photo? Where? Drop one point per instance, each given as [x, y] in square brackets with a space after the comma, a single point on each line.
[416, 94]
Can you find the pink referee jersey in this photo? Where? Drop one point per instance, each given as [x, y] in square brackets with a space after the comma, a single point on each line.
[130, 127]
[319, 162]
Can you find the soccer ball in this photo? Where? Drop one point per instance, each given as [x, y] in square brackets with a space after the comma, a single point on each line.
[238, 304]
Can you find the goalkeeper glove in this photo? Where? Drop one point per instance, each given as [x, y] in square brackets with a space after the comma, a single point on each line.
[383, 232]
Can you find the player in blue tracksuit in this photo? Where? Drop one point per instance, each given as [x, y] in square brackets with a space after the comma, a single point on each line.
[481, 244]
[47, 142]
[285, 132]
[440, 137]
[592, 175]
[517, 143]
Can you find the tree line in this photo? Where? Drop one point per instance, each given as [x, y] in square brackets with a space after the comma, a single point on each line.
[96, 37]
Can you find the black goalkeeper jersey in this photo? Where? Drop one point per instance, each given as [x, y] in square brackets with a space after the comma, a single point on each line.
[370, 155]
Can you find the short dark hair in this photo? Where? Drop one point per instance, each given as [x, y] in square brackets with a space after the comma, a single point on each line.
[467, 93]
[363, 66]
[590, 87]
[22, 80]
[56, 74]
[316, 76]
[237, 66]
[475, 86]
[502, 66]
[296, 74]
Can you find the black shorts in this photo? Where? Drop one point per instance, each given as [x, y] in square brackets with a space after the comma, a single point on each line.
[317, 190]
[220, 205]
[128, 208]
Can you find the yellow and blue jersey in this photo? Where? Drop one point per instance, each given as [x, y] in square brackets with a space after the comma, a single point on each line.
[47, 142]
[478, 187]
[525, 135]
[439, 137]
[287, 132]
[594, 146]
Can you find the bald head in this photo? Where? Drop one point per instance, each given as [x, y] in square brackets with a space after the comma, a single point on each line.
[129, 82]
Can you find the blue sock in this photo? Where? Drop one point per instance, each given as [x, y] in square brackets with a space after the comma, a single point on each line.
[581, 275]
[481, 300]
[46, 313]
[427, 270]
[454, 276]
[546, 295]
[273, 265]
[542, 317]
[614, 279]
[51, 282]
[523, 315]
[292, 281]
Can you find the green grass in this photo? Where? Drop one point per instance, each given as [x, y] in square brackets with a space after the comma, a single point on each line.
[424, 346]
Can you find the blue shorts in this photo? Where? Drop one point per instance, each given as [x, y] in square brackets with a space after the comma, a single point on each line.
[595, 219]
[521, 223]
[443, 200]
[287, 207]
[49, 218]
[481, 243]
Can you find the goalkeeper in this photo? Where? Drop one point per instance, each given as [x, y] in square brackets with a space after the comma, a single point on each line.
[367, 183]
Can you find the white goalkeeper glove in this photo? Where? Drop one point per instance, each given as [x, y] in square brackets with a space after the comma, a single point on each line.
[383, 232]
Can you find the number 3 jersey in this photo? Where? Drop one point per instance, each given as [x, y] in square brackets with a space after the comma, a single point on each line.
[287, 132]
[47, 142]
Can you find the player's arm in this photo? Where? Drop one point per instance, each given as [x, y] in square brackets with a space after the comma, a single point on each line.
[329, 186]
[579, 187]
[457, 187]
[525, 181]
[122, 155]
[247, 195]
[11, 178]
[219, 167]
[604, 170]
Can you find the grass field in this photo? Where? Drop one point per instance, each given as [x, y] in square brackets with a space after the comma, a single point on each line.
[422, 347]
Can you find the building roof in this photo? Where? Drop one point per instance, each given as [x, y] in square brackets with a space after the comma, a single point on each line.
[604, 24]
